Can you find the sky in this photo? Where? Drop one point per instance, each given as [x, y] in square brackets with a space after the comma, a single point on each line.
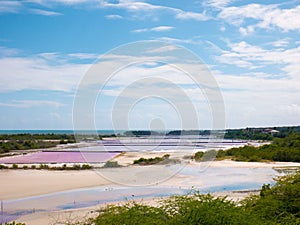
[251, 48]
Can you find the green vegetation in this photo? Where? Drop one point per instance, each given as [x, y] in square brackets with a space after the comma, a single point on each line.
[14, 223]
[65, 167]
[111, 164]
[281, 149]
[279, 205]
[151, 161]
[47, 167]
[26, 136]
[263, 133]
[198, 156]
[189, 132]
[8, 145]
[260, 133]
[15, 166]
[138, 133]
[205, 156]
[10, 142]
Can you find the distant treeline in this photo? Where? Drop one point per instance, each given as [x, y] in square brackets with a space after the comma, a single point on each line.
[6, 146]
[33, 141]
[27, 137]
[10, 142]
[27, 141]
[264, 133]
[281, 149]
[138, 133]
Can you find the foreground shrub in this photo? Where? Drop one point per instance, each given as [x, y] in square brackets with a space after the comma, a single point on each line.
[193, 209]
[131, 213]
[280, 203]
[205, 209]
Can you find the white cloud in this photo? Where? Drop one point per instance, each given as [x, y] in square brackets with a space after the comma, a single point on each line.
[8, 51]
[249, 56]
[255, 97]
[45, 12]
[113, 16]
[84, 55]
[256, 101]
[39, 72]
[71, 2]
[150, 9]
[65, 2]
[281, 43]
[267, 16]
[192, 40]
[162, 28]
[31, 103]
[163, 49]
[16, 6]
[291, 109]
[217, 3]
[154, 29]
[10, 6]
[246, 31]
[137, 9]
[191, 16]
[140, 30]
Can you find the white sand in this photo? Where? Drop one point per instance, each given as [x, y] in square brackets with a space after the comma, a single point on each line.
[24, 183]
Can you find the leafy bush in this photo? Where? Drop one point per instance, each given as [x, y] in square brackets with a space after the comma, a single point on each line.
[15, 166]
[86, 167]
[191, 209]
[198, 156]
[111, 164]
[280, 203]
[151, 161]
[3, 167]
[25, 167]
[131, 213]
[205, 209]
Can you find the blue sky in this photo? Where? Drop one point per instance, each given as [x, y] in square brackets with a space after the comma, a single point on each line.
[252, 49]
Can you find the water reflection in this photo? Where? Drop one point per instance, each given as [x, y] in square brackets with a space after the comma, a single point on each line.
[213, 179]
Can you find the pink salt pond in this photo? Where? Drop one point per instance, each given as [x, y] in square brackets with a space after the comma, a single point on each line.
[60, 157]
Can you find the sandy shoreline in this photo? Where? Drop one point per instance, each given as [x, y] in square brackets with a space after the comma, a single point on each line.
[25, 183]
[82, 214]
